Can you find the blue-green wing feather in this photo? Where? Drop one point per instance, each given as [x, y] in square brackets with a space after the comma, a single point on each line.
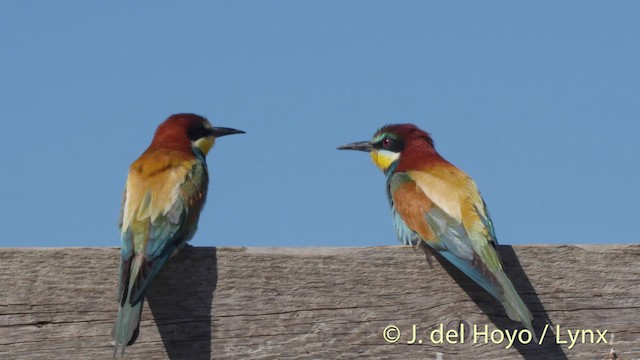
[454, 243]
[169, 232]
[451, 239]
[166, 233]
[458, 249]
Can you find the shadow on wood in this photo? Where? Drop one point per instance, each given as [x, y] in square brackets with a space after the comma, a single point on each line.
[181, 301]
[540, 316]
[492, 308]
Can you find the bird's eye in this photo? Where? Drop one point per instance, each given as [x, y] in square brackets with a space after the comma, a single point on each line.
[386, 143]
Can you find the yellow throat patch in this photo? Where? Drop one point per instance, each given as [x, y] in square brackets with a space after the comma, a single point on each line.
[384, 158]
[205, 144]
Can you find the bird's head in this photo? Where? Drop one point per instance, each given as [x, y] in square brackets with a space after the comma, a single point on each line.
[182, 130]
[394, 142]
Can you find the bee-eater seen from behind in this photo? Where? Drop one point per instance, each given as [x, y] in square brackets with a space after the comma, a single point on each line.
[437, 203]
[164, 194]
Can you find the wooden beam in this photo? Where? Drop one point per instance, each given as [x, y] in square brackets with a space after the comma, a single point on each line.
[320, 303]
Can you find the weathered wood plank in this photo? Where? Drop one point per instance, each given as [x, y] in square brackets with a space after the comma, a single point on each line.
[313, 303]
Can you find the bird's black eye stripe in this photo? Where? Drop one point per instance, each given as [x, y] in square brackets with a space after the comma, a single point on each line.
[198, 132]
[388, 143]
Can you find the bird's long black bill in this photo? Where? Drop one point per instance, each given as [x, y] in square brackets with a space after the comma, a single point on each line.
[223, 131]
[360, 145]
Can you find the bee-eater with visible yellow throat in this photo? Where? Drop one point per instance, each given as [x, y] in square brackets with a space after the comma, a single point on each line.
[435, 202]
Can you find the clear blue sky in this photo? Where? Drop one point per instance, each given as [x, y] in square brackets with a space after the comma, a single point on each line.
[538, 102]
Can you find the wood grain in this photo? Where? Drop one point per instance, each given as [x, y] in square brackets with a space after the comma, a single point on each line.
[316, 303]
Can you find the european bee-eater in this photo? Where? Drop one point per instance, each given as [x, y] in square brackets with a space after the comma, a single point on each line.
[437, 203]
[164, 194]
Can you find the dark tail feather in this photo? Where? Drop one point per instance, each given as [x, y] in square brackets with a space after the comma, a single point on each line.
[515, 307]
[125, 330]
[136, 275]
[498, 285]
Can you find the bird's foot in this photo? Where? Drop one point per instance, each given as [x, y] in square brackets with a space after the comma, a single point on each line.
[181, 248]
[427, 251]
